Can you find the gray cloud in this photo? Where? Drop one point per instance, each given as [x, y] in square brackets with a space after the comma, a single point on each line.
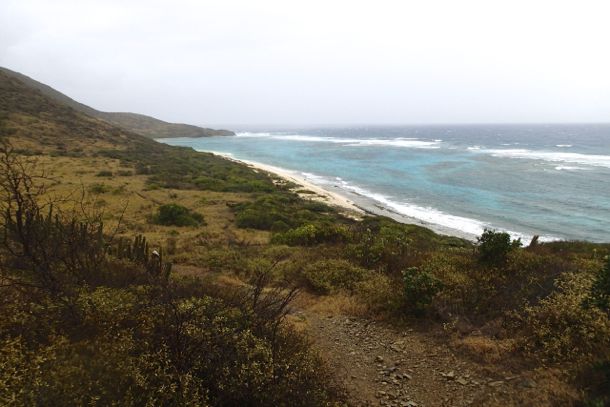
[319, 62]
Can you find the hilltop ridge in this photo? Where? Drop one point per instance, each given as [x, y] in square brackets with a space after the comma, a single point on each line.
[138, 123]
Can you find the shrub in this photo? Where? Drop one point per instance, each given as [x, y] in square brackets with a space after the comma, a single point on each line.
[494, 246]
[177, 215]
[279, 209]
[600, 290]
[104, 173]
[380, 293]
[312, 234]
[99, 188]
[385, 245]
[419, 289]
[326, 276]
[223, 259]
[87, 320]
[561, 328]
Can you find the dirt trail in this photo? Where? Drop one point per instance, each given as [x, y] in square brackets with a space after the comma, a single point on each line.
[379, 365]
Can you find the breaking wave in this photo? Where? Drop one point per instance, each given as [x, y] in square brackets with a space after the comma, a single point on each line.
[404, 142]
[593, 160]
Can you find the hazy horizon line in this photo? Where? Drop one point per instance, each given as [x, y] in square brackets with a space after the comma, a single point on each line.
[422, 124]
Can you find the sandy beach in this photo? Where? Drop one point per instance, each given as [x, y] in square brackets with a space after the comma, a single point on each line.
[306, 188]
[349, 203]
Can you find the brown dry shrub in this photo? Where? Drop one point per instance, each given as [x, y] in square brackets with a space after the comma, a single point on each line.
[484, 349]
[380, 293]
[560, 327]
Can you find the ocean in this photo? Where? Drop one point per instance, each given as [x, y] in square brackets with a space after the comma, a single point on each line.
[547, 180]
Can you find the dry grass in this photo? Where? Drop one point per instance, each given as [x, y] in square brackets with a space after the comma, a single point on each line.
[340, 303]
[126, 199]
[484, 349]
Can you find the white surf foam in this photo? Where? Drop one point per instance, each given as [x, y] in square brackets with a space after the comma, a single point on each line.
[593, 160]
[434, 216]
[315, 179]
[397, 142]
[252, 134]
[568, 168]
[428, 215]
[563, 145]
[404, 142]
[222, 153]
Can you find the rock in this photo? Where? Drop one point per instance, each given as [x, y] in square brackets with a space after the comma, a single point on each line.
[462, 381]
[379, 359]
[528, 383]
[449, 376]
[496, 383]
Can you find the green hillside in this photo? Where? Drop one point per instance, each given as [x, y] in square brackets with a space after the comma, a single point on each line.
[137, 123]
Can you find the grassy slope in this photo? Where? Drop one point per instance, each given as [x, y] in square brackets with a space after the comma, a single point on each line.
[137, 123]
[75, 149]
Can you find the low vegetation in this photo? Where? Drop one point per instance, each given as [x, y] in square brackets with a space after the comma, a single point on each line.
[93, 317]
[177, 215]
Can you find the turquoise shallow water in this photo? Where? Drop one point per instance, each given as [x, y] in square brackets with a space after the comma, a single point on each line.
[550, 180]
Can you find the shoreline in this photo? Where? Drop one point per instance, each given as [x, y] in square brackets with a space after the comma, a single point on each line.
[349, 203]
[318, 193]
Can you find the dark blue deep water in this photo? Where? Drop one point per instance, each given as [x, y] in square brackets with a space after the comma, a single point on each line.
[550, 180]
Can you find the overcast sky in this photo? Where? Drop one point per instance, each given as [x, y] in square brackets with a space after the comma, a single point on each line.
[319, 62]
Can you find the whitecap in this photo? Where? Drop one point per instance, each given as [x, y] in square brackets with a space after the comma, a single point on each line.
[405, 142]
[252, 134]
[568, 168]
[563, 145]
[593, 160]
[397, 142]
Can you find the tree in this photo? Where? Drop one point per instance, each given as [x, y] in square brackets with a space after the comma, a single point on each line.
[494, 247]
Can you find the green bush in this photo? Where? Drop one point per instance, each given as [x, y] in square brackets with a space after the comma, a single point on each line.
[326, 276]
[177, 215]
[419, 288]
[600, 290]
[312, 234]
[99, 188]
[184, 168]
[494, 246]
[271, 211]
[383, 244]
[560, 328]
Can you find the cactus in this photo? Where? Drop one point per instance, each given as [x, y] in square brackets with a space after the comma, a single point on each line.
[137, 251]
